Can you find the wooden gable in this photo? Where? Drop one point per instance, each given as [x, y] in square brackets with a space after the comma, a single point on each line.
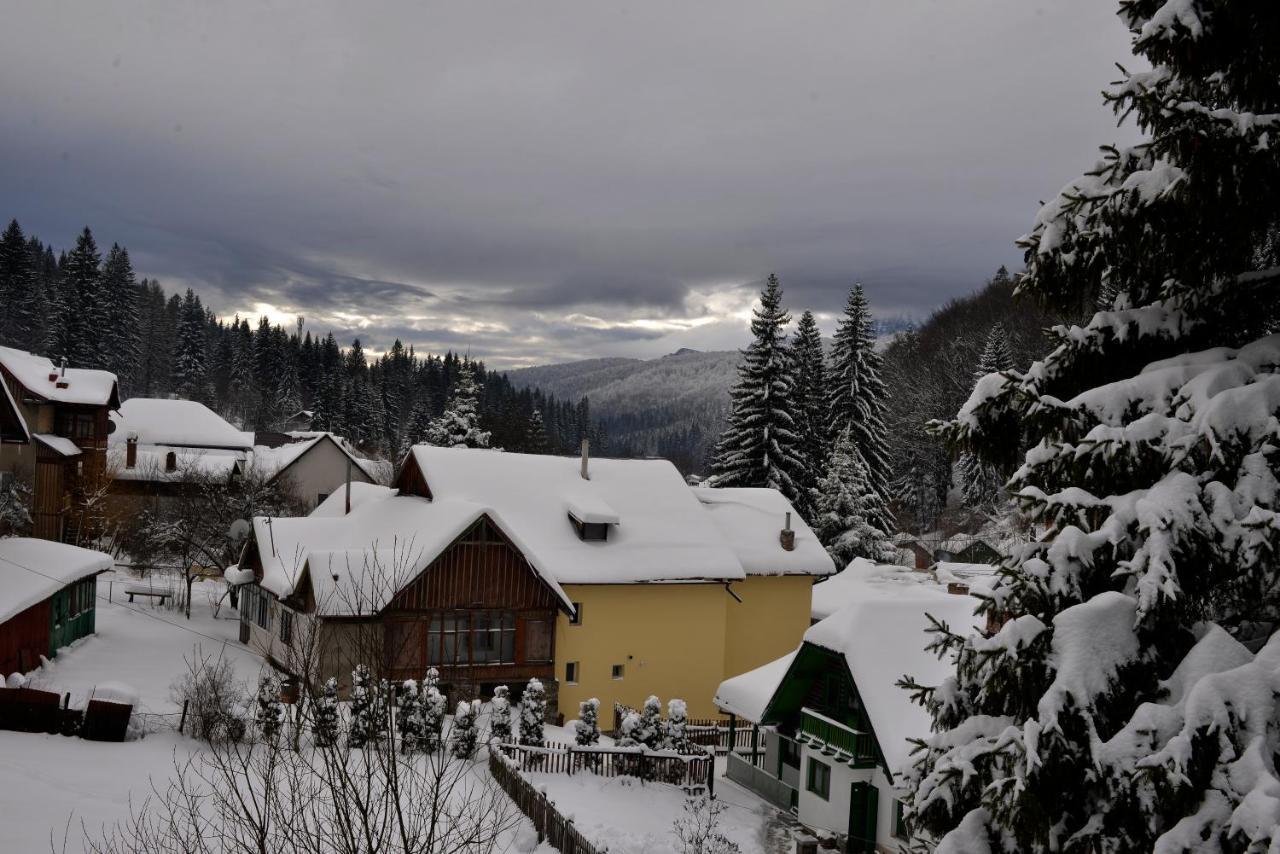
[411, 480]
[481, 569]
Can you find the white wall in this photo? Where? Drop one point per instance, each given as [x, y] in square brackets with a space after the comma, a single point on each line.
[322, 469]
[832, 815]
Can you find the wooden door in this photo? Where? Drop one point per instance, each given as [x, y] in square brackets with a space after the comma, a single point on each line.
[863, 805]
[58, 621]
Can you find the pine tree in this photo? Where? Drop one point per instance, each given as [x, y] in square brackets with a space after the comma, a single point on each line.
[586, 729]
[191, 356]
[465, 729]
[326, 714]
[1121, 706]
[120, 333]
[73, 321]
[843, 523]
[533, 713]
[856, 399]
[432, 706]
[19, 290]
[981, 482]
[536, 441]
[500, 715]
[269, 713]
[810, 408]
[459, 425]
[760, 446]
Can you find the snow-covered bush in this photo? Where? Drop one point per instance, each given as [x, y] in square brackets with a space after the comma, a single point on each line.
[675, 734]
[465, 731]
[364, 727]
[697, 831]
[213, 698]
[269, 712]
[586, 729]
[533, 713]
[431, 680]
[645, 728]
[500, 715]
[409, 717]
[326, 714]
[432, 707]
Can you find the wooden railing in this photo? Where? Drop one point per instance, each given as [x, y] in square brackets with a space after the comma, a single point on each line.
[833, 737]
[692, 772]
[550, 825]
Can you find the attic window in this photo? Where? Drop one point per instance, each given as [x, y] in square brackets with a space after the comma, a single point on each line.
[590, 531]
[170, 461]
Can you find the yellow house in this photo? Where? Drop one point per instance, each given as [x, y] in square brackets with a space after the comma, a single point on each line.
[603, 578]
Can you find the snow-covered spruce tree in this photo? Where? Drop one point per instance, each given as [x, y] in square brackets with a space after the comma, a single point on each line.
[431, 680]
[586, 729]
[810, 408]
[536, 441]
[122, 333]
[71, 329]
[843, 521]
[533, 713]
[1119, 707]
[856, 399]
[268, 713]
[409, 716]
[362, 728]
[981, 482]
[459, 425]
[465, 730]
[500, 715]
[759, 445]
[326, 720]
[644, 728]
[432, 708]
[191, 359]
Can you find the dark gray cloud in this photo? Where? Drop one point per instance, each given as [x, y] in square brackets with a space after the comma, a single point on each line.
[556, 179]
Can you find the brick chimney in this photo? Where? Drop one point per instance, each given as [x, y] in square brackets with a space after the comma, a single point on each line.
[131, 451]
[787, 536]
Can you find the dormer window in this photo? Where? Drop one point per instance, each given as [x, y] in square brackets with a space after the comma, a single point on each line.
[590, 531]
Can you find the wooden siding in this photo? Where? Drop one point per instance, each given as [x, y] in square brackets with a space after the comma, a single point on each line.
[24, 638]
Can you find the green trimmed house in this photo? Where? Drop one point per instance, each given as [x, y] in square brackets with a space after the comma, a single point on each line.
[829, 724]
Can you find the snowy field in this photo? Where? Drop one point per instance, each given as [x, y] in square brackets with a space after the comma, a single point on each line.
[630, 818]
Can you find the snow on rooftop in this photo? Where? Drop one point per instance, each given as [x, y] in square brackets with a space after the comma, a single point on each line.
[84, 386]
[152, 462]
[180, 423]
[32, 570]
[272, 461]
[751, 519]
[863, 579]
[60, 444]
[11, 408]
[361, 492]
[882, 639]
[747, 694]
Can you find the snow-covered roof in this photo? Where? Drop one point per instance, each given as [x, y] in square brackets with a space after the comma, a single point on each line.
[272, 461]
[152, 462]
[83, 386]
[747, 695]
[659, 531]
[751, 519]
[32, 570]
[882, 639]
[180, 423]
[59, 444]
[863, 579]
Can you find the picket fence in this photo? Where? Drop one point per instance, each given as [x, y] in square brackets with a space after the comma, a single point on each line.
[547, 821]
[692, 772]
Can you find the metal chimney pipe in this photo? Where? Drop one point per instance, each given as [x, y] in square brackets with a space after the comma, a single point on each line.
[586, 455]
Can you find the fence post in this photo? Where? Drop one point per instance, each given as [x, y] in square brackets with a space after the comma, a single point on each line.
[570, 754]
[183, 721]
[711, 778]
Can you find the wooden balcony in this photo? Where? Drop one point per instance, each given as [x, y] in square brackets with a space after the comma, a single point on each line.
[843, 743]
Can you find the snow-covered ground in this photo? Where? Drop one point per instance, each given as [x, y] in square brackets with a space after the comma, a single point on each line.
[630, 818]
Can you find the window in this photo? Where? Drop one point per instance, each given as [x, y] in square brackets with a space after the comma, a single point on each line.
[170, 461]
[819, 780]
[576, 619]
[480, 637]
[260, 608]
[571, 672]
[76, 425]
[590, 531]
[286, 626]
[618, 671]
[537, 640]
[899, 825]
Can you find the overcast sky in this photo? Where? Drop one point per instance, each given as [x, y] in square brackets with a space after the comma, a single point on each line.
[540, 181]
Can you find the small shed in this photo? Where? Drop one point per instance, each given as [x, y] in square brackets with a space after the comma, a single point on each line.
[48, 593]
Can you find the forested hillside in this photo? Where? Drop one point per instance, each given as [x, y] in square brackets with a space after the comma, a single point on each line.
[672, 407]
[92, 311]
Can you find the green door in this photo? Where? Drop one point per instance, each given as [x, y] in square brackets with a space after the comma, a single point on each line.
[58, 616]
[864, 802]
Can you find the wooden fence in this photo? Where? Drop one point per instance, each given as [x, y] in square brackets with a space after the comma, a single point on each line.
[547, 821]
[30, 710]
[714, 733]
[693, 772]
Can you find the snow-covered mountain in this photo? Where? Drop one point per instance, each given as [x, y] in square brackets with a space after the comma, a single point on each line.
[673, 406]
